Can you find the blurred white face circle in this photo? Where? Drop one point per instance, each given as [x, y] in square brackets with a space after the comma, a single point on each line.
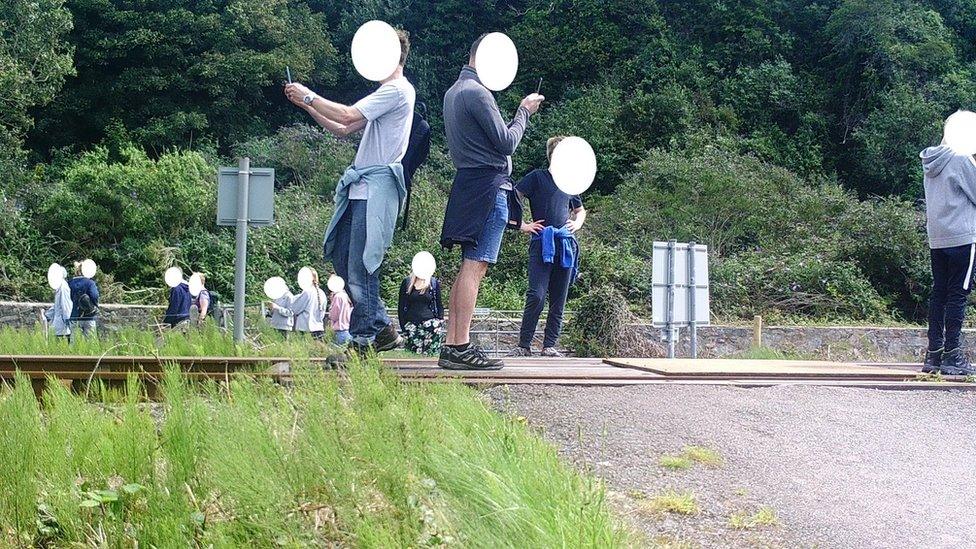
[88, 268]
[423, 265]
[336, 283]
[275, 288]
[375, 50]
[496, 61]
[173, 276]
[55, 276]
[196, 284]
[305, 278]
[573, 165]
[960, 132]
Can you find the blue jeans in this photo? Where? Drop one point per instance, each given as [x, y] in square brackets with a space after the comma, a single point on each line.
[952, 271]
[342, 337]
[545, 280]
[368, 310]
[490, 240]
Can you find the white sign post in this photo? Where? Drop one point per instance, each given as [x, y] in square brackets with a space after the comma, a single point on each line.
[679, 290]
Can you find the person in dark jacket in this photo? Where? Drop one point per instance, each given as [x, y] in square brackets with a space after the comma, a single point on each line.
[421, 314]
[553, 254]
[180, 301]
[84, 303]
[481, 144]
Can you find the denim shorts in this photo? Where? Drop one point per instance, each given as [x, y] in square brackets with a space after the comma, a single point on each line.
[490, 240]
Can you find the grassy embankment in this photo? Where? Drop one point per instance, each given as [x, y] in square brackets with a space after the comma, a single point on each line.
[362, 460]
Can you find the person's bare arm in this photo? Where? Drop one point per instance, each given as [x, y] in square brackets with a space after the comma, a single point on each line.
[337, 112]
[333, 127]
[576, 221]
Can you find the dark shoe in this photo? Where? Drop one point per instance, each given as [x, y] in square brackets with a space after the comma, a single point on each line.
[387, 340]
[471, 358]
[520, 351]
[933, 362]
[955, 363]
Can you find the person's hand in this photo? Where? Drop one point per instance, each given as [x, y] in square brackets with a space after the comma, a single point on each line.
[532, 228]
[573, 225]
[532, 102]
[295, 92]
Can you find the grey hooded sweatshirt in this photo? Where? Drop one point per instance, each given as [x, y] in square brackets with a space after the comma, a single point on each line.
[950, 197]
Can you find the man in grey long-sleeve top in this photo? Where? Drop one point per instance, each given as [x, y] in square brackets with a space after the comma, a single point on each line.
[481, 144]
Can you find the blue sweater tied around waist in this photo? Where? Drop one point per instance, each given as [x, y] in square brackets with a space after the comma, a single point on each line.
[569, 258]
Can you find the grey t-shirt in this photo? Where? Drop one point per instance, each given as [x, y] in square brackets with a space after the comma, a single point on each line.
[389, 115]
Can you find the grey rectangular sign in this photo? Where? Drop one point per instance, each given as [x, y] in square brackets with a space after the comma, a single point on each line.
[682, 315]
[260, 199]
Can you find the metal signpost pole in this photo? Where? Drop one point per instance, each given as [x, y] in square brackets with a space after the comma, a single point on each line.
[692, 289]
[240, 259]
[669, 310]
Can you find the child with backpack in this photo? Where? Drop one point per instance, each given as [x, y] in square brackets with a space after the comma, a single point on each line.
[84, 300]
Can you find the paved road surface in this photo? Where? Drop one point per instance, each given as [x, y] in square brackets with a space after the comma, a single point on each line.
[840, 467]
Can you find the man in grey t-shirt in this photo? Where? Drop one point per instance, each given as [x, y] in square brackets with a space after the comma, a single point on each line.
[372, 188]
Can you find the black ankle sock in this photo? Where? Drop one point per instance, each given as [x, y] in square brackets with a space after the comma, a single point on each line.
[461, 348]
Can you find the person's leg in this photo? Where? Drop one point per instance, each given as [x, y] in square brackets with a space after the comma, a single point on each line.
[464, 292]
[558, 292]
[937, 301]
[88, 328]
[340, 254]
[464, 296]
[959, 285]
[369, 312]
[535, 296]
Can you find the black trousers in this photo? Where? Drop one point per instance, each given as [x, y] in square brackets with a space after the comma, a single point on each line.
[545, 280]
[952, 272]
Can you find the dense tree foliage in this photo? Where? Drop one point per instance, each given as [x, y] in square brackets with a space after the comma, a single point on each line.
[785, 133]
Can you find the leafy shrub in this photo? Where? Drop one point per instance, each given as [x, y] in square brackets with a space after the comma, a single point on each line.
[778, 244]
[604, 326]
[125, 212]
[300, 155]
[802, 284]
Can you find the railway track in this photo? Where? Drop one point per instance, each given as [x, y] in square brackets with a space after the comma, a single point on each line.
[566, 371]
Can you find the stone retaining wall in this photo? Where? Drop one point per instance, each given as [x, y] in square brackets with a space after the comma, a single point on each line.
[856, 343]
[110, 317]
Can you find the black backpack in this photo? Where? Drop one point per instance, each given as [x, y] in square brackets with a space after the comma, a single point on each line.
[418, 149]
[86, 309]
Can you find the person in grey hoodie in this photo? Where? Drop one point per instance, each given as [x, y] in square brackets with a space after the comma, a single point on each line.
[950, 208]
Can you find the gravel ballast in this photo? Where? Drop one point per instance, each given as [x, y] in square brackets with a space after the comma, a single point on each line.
[840, 467]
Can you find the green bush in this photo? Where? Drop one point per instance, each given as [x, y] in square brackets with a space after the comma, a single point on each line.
[793, 285]
[603, 326]
[301, 155]
[770, 232]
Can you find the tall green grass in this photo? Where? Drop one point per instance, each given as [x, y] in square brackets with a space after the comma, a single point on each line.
[207, 340]
[359, 459]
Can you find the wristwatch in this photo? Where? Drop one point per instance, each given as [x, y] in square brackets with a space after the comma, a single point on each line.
[308, 99]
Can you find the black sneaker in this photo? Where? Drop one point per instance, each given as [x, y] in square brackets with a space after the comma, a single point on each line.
[471, 358]
[387, 340]
[955, 363]
[933, 362]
